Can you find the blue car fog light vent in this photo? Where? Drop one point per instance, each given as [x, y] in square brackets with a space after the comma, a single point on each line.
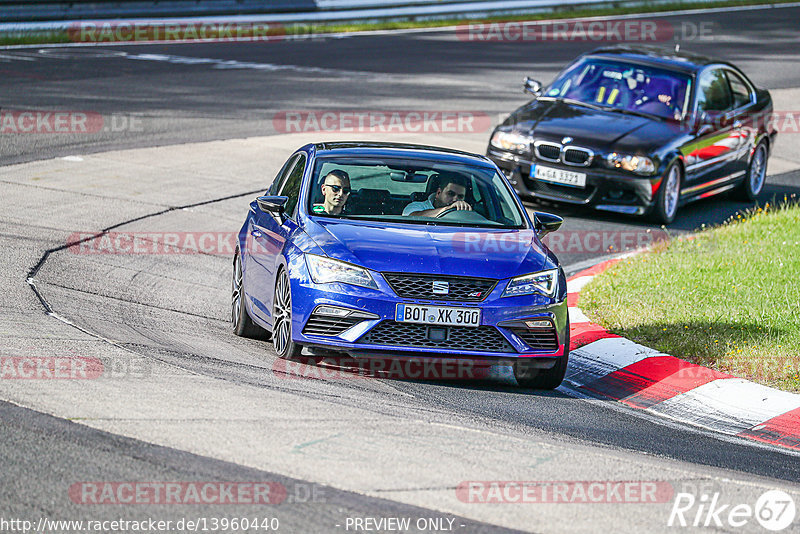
[333, 320]
[538, 334]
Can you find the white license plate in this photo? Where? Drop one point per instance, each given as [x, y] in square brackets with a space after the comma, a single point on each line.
[559, 176]
[437, 315]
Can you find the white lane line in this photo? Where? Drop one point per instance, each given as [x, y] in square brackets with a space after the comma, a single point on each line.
[14, 57]
[233, 64]
[728, 405]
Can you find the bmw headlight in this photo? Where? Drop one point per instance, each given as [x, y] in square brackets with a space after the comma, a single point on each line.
[543, 282]
[510, 141]
[630, 163]
[325, 270]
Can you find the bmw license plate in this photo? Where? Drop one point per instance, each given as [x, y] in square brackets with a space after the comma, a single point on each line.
[437, 315]
[559, 176]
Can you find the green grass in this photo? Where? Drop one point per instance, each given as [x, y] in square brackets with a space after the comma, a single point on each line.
[301, 30]
[31, 37]
[728, 299]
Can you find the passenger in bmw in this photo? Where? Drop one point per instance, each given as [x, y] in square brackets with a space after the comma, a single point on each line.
[450, 195]
[335, 191]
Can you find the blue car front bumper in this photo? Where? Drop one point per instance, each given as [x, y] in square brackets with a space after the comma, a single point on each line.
[507, 328]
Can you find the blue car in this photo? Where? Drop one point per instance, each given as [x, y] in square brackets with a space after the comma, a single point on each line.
[400, 251]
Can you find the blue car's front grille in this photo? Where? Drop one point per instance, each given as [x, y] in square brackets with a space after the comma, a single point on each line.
[466, 338]
[421, 286]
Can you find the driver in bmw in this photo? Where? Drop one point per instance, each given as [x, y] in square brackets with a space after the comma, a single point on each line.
[450, 195]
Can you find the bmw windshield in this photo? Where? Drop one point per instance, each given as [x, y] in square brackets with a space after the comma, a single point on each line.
[626, 87]
[413, 191]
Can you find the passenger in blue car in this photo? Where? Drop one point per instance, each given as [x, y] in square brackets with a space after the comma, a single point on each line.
[450, 195]
[335, 191]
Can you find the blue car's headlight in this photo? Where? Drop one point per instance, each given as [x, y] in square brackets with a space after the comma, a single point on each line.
[544, 283]
[325, 270]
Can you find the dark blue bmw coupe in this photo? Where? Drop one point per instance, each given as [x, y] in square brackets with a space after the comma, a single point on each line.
[371, 249]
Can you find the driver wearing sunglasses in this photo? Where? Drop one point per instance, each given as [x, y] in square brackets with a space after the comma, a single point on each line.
[335, 191]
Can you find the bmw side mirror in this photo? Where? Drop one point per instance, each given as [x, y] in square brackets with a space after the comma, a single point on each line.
[705, 123]
[532, 86]
[544, 223]
[272, 205]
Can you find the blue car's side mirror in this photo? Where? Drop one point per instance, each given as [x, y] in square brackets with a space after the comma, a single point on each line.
[544, 223]
[272, 205]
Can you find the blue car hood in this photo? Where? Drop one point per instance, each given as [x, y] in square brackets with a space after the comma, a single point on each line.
[430, 249]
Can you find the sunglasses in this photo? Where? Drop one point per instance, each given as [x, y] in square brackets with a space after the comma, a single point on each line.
[337, 188]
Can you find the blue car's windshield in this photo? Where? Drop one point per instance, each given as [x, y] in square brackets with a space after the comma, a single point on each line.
[412, 191]
[624, 86]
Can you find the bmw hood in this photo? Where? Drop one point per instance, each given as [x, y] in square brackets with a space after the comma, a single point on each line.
[447, 250]
[594, 128]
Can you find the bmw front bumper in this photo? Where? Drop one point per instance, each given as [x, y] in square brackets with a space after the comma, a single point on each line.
[605, 190]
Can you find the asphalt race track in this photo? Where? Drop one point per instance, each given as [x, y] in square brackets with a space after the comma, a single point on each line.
[188, 137]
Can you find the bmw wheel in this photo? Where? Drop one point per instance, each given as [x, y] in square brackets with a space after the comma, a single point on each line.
[243, 325]
[668, 195]
[756, 175]
[282, 319]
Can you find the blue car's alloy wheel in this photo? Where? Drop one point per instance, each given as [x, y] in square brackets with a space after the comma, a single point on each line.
[282, 319]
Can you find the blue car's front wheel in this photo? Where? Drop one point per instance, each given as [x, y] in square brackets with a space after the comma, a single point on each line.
[282, 319]
[530, 376]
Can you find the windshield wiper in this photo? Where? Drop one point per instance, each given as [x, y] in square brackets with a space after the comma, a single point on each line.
[631, 112]
[581, 103]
